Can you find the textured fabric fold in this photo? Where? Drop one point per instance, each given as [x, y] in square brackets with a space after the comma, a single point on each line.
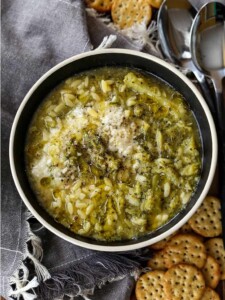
[90, 272]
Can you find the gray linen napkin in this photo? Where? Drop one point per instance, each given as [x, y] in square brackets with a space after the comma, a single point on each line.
[36, 35]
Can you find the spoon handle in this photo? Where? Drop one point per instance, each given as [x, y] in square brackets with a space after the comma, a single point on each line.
[206, 92]
[221, 154]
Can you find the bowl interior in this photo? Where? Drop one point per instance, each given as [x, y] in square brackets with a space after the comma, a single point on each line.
[94, 61]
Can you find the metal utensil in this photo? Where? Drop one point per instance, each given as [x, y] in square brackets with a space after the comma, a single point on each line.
[208, 54]
[175, 19]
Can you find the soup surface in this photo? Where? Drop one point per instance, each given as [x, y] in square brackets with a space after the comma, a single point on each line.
[113, 153]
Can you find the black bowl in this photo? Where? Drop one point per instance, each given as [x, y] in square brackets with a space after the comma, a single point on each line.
[122, 58]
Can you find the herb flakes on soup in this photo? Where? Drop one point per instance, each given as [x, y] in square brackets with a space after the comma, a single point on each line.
[113, 153]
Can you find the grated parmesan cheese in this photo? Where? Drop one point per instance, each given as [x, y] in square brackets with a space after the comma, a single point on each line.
[121, 137]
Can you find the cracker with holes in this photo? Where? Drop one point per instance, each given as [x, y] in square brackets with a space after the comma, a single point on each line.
[211, 272]
[155, 3]
[100, 5]
[185, 248]
[128, 13]
[186, 228]
[161, 244]
[210, 294]
[214, 248]
[150, 286]
[157, 261]
[184, 282]
[207, 220]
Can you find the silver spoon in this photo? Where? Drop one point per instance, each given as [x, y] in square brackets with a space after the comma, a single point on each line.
[175, 19]
[208, 54]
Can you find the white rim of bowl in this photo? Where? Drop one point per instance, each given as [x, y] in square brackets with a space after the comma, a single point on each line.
[140, 244]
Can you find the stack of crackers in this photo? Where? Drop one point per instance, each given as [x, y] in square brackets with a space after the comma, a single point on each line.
[190, 264]
[126, 13]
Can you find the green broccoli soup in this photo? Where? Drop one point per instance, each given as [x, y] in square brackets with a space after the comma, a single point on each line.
[113, 153]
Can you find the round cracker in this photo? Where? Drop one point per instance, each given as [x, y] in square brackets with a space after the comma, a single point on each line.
[150, 286]
[215, 248]
[210, 294]
[185, 248]
[155, 3]
[186, 228]
[184, 282]
[157, 261]
[127, 13]
[211, 272]
[207, 220]
[100, 5]
[161, 244]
